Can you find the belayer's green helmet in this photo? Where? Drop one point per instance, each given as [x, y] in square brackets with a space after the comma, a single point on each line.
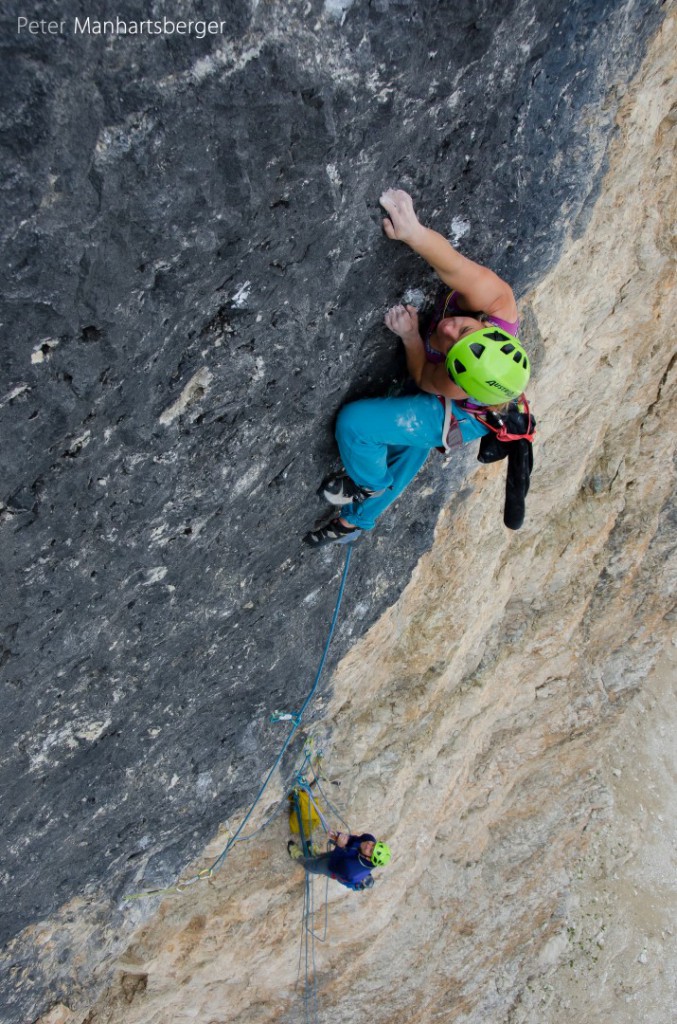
[381, 855]
[490, 365]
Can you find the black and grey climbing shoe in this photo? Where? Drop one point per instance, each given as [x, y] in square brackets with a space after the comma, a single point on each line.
[339, 489]
[333, 533]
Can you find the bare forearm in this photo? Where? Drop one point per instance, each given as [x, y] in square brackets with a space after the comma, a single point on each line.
[434, 379]
[479, 287]
[416, 360]
[430, 377]
[439, 253]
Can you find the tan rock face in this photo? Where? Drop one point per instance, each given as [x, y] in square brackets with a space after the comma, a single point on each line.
[467, 727]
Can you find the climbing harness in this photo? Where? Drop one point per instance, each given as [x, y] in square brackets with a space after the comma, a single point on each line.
[516, 424]
[296, 719]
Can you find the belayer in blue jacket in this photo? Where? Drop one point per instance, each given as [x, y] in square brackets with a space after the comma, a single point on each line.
[350, 862]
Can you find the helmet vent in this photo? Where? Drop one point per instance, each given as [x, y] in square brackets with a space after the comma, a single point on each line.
[458, 366]
[507, 348]
[477, 349]
[525, 362]
[517, 358]
[495, 336]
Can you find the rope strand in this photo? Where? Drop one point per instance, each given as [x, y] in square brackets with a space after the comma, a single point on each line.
[236, 837]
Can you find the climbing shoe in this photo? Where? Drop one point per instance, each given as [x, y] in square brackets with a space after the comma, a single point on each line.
[294, 852]
[339, 489]
[333, 533]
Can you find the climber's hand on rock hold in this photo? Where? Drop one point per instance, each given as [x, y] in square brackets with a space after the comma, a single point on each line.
[403, 321]
[401, 223]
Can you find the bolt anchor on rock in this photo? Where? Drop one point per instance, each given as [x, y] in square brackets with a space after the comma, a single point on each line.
[284, 716]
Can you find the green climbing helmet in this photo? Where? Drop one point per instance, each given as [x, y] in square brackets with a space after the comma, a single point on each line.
[381, 855]
[490, 365]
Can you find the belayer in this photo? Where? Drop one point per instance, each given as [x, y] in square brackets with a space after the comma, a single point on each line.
[350, 862]
[471, 369]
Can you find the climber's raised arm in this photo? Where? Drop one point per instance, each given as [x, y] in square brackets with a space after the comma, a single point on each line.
[478, 287]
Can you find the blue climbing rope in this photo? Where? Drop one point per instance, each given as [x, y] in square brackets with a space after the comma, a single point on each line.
[307, 961]
[296, 720]
[328, 803]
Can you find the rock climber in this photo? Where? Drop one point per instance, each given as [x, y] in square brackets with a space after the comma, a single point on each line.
[350, 862]
[468, 363]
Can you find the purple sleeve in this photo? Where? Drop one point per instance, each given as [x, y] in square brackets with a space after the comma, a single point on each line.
[512, 327]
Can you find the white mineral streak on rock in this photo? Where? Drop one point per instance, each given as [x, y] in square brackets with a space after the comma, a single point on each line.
[374, 82]
[239, 299]
[491, 799]
[194, 390]
[414, 297]
[20, 389]
[203, 785]
[58, 744]
[259, 369]
[227, 59]
[90, 731]
[458, 229]
[78, 443]
[114, 140]
[154, 575]
[337, 8]
[43, 350]
[245, 484]
[333, 175]
[159, 534]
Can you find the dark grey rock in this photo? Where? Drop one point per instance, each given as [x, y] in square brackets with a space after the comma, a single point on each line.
[180, 210]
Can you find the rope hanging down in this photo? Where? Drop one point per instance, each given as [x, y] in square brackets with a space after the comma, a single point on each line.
[309, 934]
[296, 722]
[315, 814]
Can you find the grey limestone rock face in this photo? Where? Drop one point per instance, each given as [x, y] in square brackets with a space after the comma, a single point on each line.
[194, 283]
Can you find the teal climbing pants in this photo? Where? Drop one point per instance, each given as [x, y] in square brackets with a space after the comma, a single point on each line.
[384, 442]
